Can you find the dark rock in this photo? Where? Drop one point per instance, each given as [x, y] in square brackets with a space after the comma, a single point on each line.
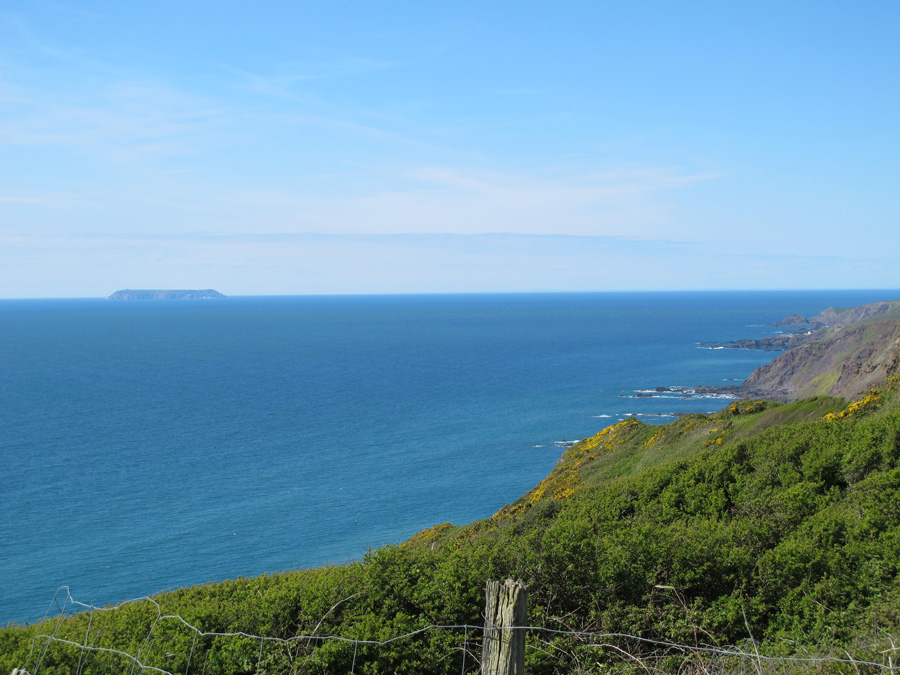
[795, 320]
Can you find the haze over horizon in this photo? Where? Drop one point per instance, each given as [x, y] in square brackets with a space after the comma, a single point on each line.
[313, 148]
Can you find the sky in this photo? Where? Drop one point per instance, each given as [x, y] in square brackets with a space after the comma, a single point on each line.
[294, 147]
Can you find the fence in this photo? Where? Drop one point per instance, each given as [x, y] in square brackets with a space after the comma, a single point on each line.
[502, 642]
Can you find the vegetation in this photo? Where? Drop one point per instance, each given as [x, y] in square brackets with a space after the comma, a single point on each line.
[771, 527]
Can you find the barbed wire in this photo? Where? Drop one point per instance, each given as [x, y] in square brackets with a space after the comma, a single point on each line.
[41, 641]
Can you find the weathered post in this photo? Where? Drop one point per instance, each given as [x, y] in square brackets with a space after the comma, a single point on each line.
[506, 608]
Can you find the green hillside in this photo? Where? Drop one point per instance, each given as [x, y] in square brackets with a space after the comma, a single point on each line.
[766, 527]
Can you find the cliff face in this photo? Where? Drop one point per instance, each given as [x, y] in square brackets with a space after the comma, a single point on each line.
[835, 318]
[844, 361]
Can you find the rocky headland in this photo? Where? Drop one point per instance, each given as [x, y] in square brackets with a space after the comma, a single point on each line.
[841, 353]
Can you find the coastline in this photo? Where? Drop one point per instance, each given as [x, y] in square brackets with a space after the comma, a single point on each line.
[266, 423]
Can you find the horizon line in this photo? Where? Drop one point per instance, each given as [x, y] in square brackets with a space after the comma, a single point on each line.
[473, 293]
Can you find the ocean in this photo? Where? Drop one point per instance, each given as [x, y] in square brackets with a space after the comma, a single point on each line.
[147, 445]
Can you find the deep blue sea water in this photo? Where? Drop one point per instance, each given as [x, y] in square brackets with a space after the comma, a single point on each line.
[150, 445]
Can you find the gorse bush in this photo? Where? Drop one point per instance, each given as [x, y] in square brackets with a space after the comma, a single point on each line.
[783, 534]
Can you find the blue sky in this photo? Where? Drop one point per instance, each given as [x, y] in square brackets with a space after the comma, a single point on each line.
[401, 147]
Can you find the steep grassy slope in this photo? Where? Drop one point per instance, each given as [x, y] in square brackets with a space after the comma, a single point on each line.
[775, 521]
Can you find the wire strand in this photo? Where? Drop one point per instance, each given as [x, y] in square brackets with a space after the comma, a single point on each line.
[38, 652]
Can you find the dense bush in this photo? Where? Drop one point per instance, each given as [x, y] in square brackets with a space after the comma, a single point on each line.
[786, 534]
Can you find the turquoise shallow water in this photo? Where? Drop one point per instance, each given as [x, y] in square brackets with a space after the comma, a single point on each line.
[150, 445]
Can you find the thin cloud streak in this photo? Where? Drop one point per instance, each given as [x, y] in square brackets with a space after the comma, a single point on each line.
[46, 200]
[469, 201]
[289, 263]
[127, 117]
[293, 72]
[578, 189]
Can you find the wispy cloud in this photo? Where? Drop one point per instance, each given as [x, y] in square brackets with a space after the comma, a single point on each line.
[452, 200]
[338, 66]
[518, 91]
[66, 8]
[571, 189]
[16, 29]
[121, 119]
[282, 81]
[467, 201]
[48, 200]
[285, 263]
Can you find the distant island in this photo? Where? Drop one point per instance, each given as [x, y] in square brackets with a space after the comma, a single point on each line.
[157, 294]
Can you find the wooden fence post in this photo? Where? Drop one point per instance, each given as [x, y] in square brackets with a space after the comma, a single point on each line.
[503, 649]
